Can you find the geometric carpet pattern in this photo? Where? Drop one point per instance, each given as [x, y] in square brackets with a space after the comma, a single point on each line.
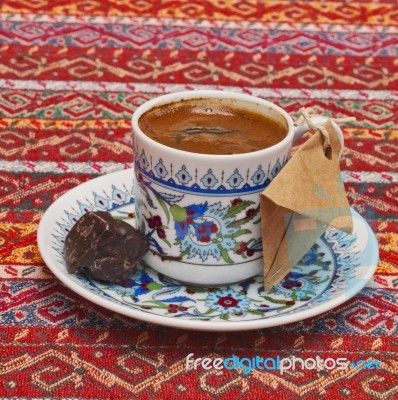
[71, 75]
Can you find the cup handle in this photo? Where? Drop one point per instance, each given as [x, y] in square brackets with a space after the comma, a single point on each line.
[319, 120]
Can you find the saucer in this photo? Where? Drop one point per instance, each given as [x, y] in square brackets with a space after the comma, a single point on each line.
[336, 268]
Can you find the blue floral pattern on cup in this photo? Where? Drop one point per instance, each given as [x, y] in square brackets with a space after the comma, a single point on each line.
[209, 180]
[235, 179]
[215, 229]
[183, 176]
[258, 176]
[209, 183]
[204, 230]
[160, 169]
[207, 231]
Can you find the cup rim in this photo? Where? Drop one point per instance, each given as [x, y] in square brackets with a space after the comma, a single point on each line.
[194, 94]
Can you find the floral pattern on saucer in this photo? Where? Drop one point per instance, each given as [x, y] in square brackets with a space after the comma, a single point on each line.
[326, 270]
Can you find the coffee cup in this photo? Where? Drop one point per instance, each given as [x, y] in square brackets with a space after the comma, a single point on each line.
[201, 212]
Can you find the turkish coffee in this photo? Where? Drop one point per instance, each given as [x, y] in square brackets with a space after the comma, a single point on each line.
[211, 126]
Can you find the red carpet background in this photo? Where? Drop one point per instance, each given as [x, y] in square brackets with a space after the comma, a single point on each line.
[71, 75]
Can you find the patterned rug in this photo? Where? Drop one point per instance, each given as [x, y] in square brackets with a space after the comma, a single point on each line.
[71, 75]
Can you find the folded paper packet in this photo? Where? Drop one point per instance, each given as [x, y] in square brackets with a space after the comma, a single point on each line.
[304, 199]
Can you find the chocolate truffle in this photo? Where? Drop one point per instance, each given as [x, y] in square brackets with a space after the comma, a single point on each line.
[103, 247]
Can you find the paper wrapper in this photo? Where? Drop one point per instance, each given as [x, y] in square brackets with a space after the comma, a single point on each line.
[304, 199]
